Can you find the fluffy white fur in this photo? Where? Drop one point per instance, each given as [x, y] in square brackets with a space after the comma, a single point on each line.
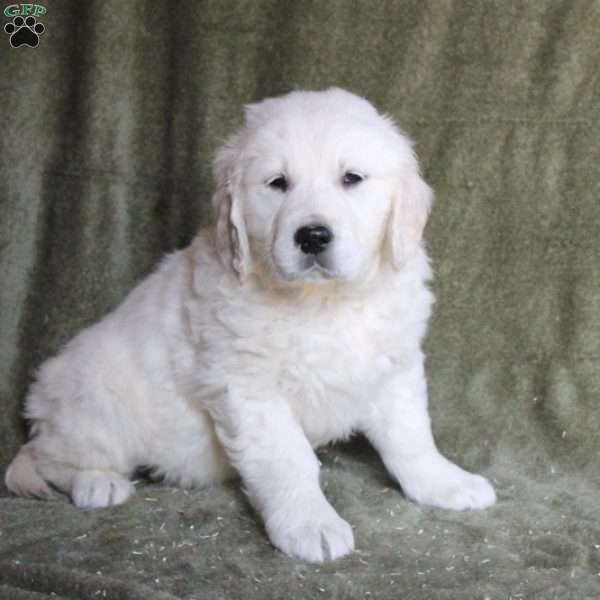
[240, 354]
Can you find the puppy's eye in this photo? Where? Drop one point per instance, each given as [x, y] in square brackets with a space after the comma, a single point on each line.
[279, 182]
[351, 178]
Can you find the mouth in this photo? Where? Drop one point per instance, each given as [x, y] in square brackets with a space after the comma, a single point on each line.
[309, 269]
[317, 271]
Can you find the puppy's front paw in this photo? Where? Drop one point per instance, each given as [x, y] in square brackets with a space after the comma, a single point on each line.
[438, 482]
[312, 533]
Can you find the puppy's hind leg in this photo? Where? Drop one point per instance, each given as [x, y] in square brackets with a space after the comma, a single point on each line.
[92, 480]
[22, 477]
[31, 471]
[97, 489]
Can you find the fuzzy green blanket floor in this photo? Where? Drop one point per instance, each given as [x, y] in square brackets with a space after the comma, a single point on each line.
[107, 131]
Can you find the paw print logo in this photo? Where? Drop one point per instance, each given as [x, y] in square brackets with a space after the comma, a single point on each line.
[24, 32]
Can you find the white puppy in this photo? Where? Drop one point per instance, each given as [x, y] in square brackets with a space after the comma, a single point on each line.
[295, 321]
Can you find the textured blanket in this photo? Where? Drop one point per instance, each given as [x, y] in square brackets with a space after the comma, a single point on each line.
[109, 119]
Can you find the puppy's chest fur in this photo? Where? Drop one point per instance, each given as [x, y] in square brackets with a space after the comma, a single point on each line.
[333, 372]
[325, 357]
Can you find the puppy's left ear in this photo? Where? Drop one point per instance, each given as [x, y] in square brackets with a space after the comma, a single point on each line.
[411, 204]
[231, 238]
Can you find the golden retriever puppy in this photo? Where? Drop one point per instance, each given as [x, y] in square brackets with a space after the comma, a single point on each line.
[296, 320]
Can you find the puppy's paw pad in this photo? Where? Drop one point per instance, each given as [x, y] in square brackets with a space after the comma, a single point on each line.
[97, 489]
[315, 540]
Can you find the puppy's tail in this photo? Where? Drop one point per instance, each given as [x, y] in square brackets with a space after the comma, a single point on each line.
[22, 477]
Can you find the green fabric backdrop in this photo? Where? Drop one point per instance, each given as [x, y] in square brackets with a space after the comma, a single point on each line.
[108, 128]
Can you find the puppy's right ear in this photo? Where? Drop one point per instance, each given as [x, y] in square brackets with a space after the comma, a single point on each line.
[231, 238]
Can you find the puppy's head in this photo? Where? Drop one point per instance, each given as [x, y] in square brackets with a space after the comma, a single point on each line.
[317, 186]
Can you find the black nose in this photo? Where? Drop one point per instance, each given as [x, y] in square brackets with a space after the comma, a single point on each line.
[313, 239]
